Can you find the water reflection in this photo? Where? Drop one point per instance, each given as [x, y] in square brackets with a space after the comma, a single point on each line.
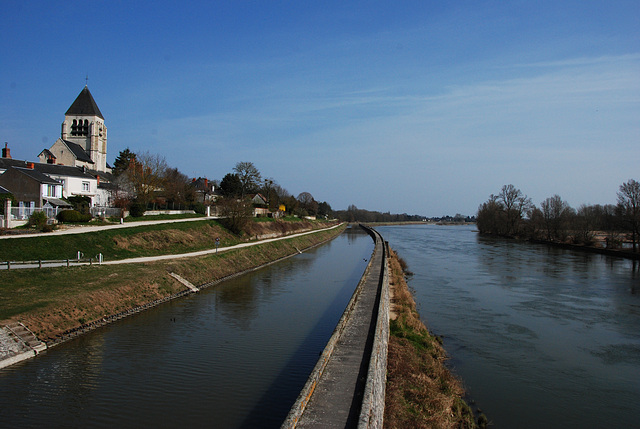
[235, 353]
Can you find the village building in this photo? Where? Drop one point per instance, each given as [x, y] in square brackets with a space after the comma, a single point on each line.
[83, 140]
[32, 189]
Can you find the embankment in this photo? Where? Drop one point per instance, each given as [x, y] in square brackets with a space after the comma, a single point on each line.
[421, 392]
[56, 302]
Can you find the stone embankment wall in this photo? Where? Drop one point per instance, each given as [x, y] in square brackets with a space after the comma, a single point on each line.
[372, 411]
[307, 391]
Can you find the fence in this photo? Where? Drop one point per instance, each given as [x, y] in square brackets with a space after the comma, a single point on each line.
[98, 211]
[40, 263]
[23, 213]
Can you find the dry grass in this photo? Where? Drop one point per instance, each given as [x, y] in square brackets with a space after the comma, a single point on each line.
[421, 392]
[51, 301]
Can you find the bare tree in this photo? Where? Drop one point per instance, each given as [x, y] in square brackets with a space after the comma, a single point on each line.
[249, 176]
[145, 175]
[308, 203]
[586, 222]
[556, 213]
[235, 214]
[515, 205]
[177, 188]
[629, 205]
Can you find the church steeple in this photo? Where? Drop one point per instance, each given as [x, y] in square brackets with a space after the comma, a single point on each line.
[84, 125]
[84, 105]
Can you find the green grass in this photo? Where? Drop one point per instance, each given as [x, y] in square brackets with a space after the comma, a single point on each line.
[121, 243]
[27, 291]
[420, 340]
[90, 244]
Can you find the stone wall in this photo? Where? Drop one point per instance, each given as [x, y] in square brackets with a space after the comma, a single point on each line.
[373, 401]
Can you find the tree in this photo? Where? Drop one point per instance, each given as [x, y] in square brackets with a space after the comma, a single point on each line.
[556, 214]
[515, 204]
[235, 214]
[490, 217]
[122, 162]
[145, 175]
[588, 220]
[324, 210]
[308, 203]
[629, 206]
[249, 177]
[177, 188]
[231, 187]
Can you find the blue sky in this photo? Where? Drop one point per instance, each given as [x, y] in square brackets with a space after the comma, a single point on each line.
[424, 107]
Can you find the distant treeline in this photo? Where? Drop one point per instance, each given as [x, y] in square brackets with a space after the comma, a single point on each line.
[354, 214]
[512, 214]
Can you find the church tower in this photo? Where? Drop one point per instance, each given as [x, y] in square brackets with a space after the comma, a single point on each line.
[84, 125]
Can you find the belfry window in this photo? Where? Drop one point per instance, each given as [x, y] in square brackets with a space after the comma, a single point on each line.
[80, 127]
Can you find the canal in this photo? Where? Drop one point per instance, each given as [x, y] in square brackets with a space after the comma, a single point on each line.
[542, 337]
[234, 355]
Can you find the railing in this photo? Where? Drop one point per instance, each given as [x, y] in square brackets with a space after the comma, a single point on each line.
[23, 213]
[40, 263]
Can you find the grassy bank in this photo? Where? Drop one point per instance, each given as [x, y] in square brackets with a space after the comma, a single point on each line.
[52, 300]
[144, 240]
[421, 392]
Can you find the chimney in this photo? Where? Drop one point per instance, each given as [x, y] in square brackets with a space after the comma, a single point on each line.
[206, 183]
[30, 165]
[193, 180]
[6, 153]
[98, 178]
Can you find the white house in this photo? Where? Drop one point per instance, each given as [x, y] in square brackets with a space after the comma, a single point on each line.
[75, 181]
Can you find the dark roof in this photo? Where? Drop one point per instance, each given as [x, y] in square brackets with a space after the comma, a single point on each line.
[57, 202]
[62, 170]
[104, 175]
[4, 190]
[5, 163]
[36, 175]
[85, 105]
[108, 186]
[48, 153]
[78, 151]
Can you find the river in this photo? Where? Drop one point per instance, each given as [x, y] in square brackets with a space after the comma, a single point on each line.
[542, 337]
[233, 355]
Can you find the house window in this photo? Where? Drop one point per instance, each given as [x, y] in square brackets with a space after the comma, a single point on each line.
[51, 190]
[86, 187]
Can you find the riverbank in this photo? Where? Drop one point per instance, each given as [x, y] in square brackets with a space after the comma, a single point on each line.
[55, 302]
[599, 246]
[420, 390]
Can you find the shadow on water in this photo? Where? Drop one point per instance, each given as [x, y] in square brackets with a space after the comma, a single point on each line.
[273, 407]
[283, 392]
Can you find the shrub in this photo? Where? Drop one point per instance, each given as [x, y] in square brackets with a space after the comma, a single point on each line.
[38, 219]
[48, 228]
[137, 209]
[199, 208]
[80, 203]
[73, 216]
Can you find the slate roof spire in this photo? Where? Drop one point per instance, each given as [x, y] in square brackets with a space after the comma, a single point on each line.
[84, 105]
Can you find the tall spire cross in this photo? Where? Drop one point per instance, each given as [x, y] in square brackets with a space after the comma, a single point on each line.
[86, 79]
